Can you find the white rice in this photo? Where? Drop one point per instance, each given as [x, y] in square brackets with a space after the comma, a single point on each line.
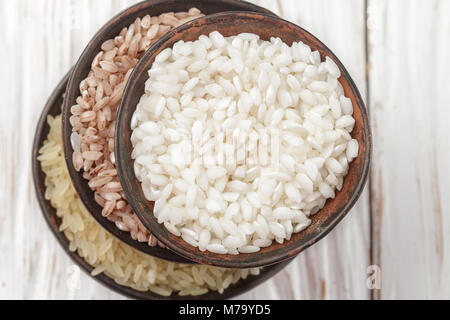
[239, 141]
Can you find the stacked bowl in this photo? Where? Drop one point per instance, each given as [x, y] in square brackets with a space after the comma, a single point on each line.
[102, 201]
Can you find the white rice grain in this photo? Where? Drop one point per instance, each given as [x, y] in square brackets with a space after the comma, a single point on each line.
[209, 107]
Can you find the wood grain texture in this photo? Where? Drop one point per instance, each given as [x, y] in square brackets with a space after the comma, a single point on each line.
[44, 38]
[409, 82]
[335, 268]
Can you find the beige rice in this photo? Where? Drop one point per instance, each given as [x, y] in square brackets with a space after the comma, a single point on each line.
[106, 254]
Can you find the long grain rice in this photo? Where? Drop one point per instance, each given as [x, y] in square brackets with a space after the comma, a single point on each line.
[110, 256]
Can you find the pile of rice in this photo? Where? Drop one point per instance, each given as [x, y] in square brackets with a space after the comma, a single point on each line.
[93, 117]
[239, 140]
[108, 255]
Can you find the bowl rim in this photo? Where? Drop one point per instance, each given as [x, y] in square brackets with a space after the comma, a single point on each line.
[216, 259]
[72, 92]
[53, 222]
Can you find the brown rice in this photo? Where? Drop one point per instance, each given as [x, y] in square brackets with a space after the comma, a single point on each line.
[93, 117]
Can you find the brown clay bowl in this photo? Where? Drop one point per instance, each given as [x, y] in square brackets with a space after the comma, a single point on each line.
[53, 107]
[80, 72]
[266, 26]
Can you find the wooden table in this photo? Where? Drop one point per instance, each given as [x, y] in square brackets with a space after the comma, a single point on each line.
[398, 54]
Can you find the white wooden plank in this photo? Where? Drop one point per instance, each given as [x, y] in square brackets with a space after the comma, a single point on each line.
[40, 47]
[335, 268]
[409, 82]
